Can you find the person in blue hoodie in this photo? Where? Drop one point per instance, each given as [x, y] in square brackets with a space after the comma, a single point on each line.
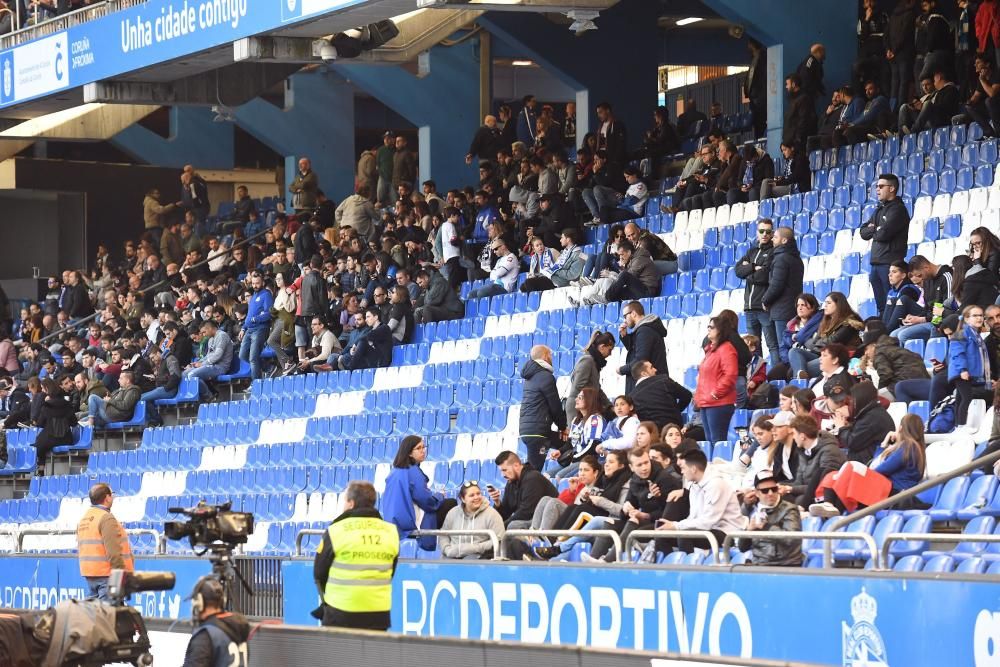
[969, 363]
[257, 326]
[407, 492]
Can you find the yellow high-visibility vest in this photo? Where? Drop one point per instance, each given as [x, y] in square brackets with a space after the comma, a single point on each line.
[360, 578]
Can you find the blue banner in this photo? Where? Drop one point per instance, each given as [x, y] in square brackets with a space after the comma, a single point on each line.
[142, 36]
[39, 583]
[827, 619]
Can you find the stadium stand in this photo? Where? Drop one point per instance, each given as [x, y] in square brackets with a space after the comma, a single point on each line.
[287, 449]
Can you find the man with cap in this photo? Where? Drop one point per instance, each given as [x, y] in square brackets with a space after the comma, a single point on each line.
[768, 511]
[220, 638]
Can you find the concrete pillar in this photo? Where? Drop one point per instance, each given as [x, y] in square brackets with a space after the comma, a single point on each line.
[443, 105]
[317, 122]
[195, 138]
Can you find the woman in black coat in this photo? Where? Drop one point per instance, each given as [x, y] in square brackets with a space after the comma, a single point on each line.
[56, 419]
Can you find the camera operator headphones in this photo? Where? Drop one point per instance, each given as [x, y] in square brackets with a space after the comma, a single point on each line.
[208, 591]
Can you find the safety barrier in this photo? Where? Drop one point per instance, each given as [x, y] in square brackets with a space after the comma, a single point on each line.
[826, 536]
[616, 540]
[707, 535]
[494, 540]
[19, 535]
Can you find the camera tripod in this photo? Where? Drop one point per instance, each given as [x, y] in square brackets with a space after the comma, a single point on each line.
[224, 571]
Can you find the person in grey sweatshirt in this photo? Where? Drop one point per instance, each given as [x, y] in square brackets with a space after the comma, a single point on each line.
[473, 513]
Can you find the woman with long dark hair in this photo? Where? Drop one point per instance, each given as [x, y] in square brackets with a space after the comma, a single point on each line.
[984, 249]
[715, 395]
[903, 460]
[401, 315]
[56, 419]
[584, 432]
[587, 371]
[408, 501]
[840, 324]
[972, 284]
[800, 328]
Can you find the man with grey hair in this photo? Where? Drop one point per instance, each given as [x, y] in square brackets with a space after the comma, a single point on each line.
[540, 407]
[354, 564]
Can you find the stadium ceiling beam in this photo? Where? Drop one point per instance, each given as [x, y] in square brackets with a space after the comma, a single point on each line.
[271, 49]
[228, 86]
[537, 6]
[87, 122]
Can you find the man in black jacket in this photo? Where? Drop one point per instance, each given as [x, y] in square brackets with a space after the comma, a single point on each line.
[658, 398]
[800, 119]
[942, 106]
[439, 301]
[166, 378]
[810, 72]
[540, 407]
[886, 230]
[312, 301]
[525, 487]
[486, 141]
[77, 303]
[784, 286]
[374, 349]
[611, 138]
[645, 343]
[818, 455]
[935, 281]
[647, 497]
[754, 268]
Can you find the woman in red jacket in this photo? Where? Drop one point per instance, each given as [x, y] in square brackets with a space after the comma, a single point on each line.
[715, 395]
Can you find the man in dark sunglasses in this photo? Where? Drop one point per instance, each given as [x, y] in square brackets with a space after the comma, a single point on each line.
[768, 511]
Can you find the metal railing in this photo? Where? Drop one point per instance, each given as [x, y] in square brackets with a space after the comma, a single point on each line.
[494, 539]
[616, 540]
[931, 537]
[826, 537]
[912, 492]
[302, 533]
[707, 535]
[19, 535]
[76, 324]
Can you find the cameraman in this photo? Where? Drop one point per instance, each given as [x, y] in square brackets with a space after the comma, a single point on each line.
[355, 563]
[221, 638]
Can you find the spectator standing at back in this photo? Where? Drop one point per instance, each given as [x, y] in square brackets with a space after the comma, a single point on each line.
[153, 213]
[783, 288]
[715, 395]
[642, 337]
[569, 127]
[933, 44]
[367, 171]
[886, 229]
[526, 120]
[755, 269]
[611, 138]
[810, 73]
[540, 408]
[587, 371]
[304, 187]
[194, 196]
[486, 141]
[899, 49]
[404, 164]
[755, 87]
[800, 119]
[383, 162]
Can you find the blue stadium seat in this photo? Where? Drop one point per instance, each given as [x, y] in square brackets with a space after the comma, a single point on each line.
[948, 503]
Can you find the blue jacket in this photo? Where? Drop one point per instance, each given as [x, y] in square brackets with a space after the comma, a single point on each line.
[526, 126]
[902, 475]
[805, 333]
[853, 110]
[259, 311]
[873, 110]
[966, 353]
[405, 487]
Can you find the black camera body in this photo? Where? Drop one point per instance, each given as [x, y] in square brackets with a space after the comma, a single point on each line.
[209, 524]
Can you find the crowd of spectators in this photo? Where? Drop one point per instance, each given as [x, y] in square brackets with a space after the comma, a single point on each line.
[33, 12]
[327, 286]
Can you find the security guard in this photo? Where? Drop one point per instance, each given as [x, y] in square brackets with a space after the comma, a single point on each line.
[355, 563]
[220, 640]
[102, 543]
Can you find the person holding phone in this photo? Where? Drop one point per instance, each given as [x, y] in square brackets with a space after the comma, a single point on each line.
[769, 512]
